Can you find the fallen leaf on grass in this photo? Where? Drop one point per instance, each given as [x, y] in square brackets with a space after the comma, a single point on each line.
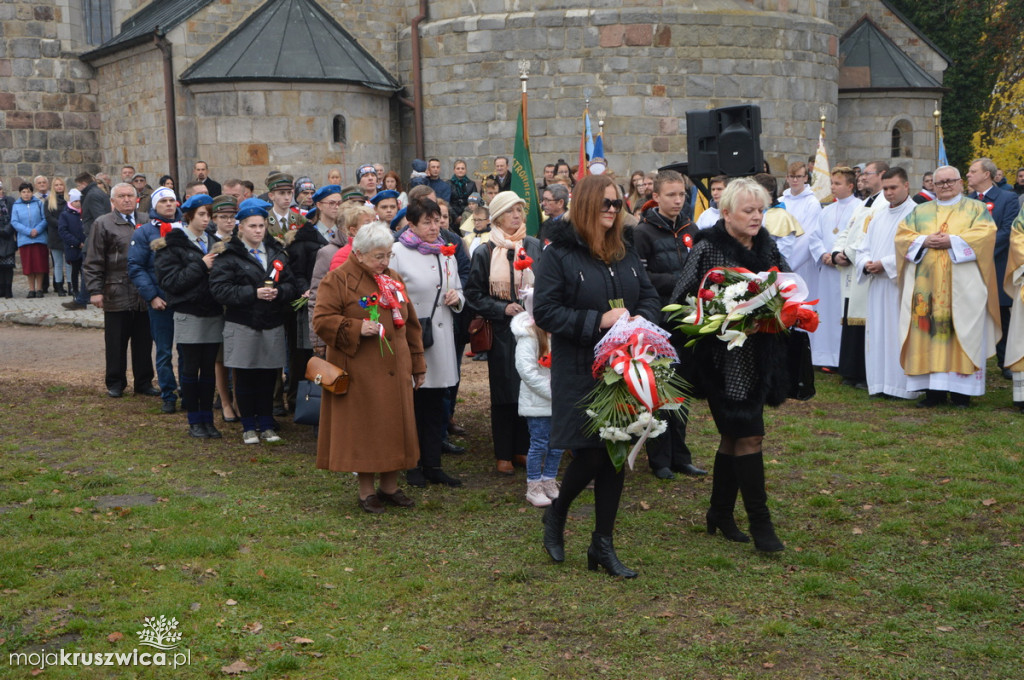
[945, 481]
[988, 501]
[221, 473]
[866, 506]
[768, 664]
[77, 511]
[231, 603]
[857, 531]
[254, 628]
[36, 671]
[825, 492]
[275, 647]
[115, 637]
[644, 505]
[946, 629]
[236, 668]
[159, 567]
[302, 641]
[194, 606]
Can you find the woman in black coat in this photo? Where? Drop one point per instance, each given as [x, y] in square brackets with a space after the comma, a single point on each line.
[585, 268]
[182, 261]
[493, 293]
[738, 382]
[56, 202]
[252, 280]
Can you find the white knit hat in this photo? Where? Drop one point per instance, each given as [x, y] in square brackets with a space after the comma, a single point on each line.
[503, 202]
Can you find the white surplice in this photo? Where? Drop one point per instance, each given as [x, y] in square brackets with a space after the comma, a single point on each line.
[825, 341]
[881, 335]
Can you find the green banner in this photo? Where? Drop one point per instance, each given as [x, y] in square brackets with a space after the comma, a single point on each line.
[523, 182]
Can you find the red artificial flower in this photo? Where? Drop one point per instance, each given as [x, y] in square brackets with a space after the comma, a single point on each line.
[448, 250]
[545, 360]
[523, 261]
[687, 240]
[753, 287]
[807, 319]
[716, 277]
[705, 294]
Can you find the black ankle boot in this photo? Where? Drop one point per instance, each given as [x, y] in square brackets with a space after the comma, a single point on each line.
[59, 287]
[750, 474]
[554, 533]
[724, 488]
[601, 551]
[436, 475]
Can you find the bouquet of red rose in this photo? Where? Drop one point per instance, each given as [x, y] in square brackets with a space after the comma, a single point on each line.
[734, 303]
[634, 365]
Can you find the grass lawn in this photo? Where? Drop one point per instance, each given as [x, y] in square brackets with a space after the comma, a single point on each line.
[903, 528]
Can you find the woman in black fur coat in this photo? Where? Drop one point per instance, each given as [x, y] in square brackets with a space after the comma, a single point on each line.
[738, 382]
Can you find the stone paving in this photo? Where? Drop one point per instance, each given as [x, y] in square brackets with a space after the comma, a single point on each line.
[45, 311]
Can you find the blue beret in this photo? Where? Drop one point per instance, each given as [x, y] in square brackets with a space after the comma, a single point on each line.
[381, 195]
[325, 191]
[252, 206]
[399, 216]
[195, 201]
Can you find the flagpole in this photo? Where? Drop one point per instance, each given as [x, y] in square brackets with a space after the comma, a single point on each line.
[524, 75]
[938, 131]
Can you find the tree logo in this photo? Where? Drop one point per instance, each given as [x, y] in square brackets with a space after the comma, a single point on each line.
[159, 633]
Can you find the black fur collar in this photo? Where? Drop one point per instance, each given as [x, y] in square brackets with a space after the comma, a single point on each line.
[757, 259]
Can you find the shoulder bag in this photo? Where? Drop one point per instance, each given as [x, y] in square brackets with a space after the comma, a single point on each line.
[328, 376]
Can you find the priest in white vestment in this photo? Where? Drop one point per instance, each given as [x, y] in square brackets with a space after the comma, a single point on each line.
[834, 218]
[876, 264]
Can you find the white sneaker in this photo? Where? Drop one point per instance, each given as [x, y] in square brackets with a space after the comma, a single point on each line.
[269, 436]
[550, 487]
[536, 496]
[250, 437]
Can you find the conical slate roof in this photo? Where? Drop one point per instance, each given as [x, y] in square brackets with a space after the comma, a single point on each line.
[869, 59]
[291, 41]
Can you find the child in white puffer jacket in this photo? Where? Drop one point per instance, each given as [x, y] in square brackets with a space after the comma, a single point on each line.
[533, 361]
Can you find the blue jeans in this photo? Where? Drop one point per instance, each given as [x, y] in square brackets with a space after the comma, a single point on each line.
[541, 460]
[58, 265]
[161, 327]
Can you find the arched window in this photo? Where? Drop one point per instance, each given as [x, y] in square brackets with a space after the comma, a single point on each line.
[901, 140]
[339, 132]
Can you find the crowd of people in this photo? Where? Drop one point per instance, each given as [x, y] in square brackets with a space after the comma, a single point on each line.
[395, 282]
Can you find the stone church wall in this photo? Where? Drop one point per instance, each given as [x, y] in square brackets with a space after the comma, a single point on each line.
[49, 120]
[645, 67]
[866, 120]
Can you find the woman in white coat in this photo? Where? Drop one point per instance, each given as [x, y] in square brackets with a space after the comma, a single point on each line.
[433, 286]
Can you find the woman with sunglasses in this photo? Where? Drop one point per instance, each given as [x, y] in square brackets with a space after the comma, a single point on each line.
[587, 279]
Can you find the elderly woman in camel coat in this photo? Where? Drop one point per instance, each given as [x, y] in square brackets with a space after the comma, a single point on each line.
[371, 429]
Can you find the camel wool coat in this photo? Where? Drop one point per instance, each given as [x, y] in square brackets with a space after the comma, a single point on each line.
[372, 428]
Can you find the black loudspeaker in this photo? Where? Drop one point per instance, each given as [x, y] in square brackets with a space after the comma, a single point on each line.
[724, 141]
[702, 143]
[739, 140]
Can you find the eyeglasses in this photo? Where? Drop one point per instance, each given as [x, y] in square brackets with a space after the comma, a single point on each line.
[798, 176]
[945, 182]
[608, 204]
[331, 204]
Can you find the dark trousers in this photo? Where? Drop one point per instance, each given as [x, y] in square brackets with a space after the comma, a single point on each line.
[254, 392]
[1004, 321]
[431, 423]
[669, 450]
[120, 329]
[851, 354]
[509, 431]
[161, 328]
[77, 281]
[6, 281]
[593, 464]
[198, 382]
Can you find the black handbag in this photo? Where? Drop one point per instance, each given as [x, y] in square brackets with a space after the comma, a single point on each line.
[426, 325]
[801, 370]
[307, 403]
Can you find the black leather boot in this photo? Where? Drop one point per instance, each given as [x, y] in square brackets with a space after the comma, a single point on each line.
[554, 533]
[602, 552]
[59, 287]
[724, 488]
[750, 474]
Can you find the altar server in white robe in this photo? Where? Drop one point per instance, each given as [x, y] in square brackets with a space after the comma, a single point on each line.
[800, 202]
[876, 264]
[834, 218]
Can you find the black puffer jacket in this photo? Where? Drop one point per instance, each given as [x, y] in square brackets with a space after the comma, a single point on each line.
[756, 373]
[235, 277]
[573, 290]
[660, 245]
[302, 246]
[503, 377]
[182, 275]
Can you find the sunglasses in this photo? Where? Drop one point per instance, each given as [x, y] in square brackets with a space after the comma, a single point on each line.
[609, 204]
